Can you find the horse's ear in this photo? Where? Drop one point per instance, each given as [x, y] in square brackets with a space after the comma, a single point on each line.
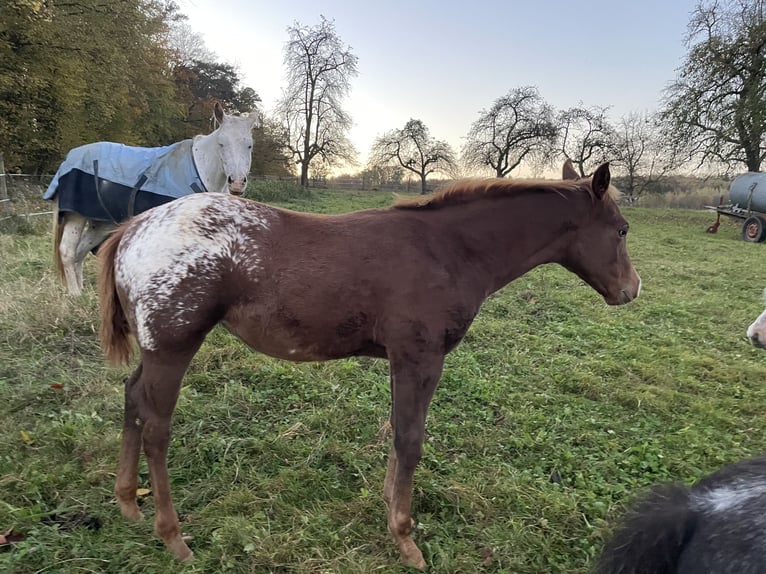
[601, 180]
[568, 171]
[257, 119]
[218, 112]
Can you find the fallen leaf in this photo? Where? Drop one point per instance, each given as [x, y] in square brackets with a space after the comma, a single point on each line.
[143, 491]
[57, 386]
[25, 437]
[8, 537]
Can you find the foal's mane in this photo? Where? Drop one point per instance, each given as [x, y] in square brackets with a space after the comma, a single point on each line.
[466, 190]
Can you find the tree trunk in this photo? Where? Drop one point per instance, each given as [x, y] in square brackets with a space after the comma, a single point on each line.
[422, 184]
[304, 174]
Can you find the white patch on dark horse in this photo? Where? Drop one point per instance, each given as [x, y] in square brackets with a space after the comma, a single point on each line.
[102, 184]
[153, 272]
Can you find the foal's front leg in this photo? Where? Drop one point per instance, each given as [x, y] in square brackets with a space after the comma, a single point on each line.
[414, 379]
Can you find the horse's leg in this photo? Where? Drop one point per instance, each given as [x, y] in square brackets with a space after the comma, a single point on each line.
[159, 383]
[74, 224]
[127, 471]
[95, 233]
[414, 380]
[388, 483]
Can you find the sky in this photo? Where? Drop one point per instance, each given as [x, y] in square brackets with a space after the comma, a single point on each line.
[444, 61]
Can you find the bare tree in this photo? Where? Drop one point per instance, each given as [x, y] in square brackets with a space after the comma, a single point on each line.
[517, 125]
[716, 108]
[413, 148]
[319, 70]
[585, 135]
[639, 150]
[186, 45]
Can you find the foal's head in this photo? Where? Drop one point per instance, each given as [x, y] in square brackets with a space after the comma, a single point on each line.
[235, 144]
[598, 252]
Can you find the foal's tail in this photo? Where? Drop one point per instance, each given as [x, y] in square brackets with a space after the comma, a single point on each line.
[653, 535]
[58, 232]
[114, 331]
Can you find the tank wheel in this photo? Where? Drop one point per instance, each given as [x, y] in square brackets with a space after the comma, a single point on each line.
[754, 229]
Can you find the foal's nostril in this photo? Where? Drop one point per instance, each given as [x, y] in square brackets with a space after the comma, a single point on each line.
[229, 179]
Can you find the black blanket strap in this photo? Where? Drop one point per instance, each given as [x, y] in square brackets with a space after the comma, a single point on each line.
[196, 188]
[98, 192]
[133, 192]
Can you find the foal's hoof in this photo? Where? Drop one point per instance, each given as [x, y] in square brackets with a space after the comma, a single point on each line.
[411, 555]
[131, 512]
[180, 550]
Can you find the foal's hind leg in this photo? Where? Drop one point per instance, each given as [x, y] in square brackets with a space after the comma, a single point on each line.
[94, 235]
[127, 471]
[160, 383]
[74, 224]
[414, 381]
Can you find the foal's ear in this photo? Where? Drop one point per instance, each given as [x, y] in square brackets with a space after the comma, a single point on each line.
[218, 112]
[601, 179]
[568, 171]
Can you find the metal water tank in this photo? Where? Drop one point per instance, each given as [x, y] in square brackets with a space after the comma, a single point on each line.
[749, 191]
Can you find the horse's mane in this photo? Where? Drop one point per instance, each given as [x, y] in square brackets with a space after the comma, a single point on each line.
[466, 190]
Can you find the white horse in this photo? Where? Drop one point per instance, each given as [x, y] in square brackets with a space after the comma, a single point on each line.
[756, 332]
[94, 190]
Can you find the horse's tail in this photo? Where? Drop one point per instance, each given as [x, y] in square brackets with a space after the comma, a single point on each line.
[58, 232]
[652, 536]
[114, 331]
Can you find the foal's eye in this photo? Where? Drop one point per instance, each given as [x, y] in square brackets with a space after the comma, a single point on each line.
[623, 232]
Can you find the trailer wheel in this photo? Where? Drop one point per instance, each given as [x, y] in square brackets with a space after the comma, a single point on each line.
[754, 229]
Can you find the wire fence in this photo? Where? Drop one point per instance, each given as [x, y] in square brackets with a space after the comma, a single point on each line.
[22, 207]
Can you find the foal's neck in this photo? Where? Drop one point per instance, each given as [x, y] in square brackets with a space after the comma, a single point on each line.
[208, 162]
[507, 237]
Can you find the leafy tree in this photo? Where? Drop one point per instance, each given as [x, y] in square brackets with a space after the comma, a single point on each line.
[201, 84]
[585, 136]
[716, 109]
[319, 71]
[517, 125]
[73, 71]
[269, 156]
[413, 148]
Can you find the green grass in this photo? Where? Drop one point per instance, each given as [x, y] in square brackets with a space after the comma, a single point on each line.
[554, 412]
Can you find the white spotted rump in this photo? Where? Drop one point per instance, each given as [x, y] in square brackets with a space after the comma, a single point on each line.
[195, 236]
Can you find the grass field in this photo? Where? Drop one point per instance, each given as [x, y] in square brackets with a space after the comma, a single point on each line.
[554, 412]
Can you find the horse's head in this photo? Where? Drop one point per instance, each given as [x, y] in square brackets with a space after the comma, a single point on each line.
[597, 252]
[756, 332]
[235, 144]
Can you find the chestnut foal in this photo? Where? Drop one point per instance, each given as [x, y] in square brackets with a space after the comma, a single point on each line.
[402, 283]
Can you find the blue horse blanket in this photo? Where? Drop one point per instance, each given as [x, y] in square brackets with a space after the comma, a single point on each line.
[111, 181]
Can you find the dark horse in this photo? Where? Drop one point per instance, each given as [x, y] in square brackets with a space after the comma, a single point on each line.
[402, 283]
[715, 527]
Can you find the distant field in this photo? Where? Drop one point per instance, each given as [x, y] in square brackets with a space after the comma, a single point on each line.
[554, 411]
